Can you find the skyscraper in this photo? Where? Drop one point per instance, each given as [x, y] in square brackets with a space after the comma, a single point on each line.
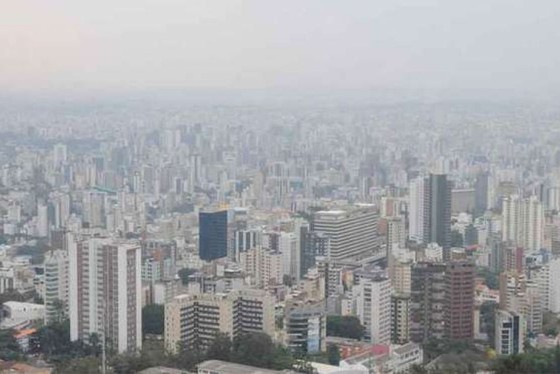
[213, 234]
[481, 194]
[522, 222]
[56, 285]
[437, 212]
[416, 210]
[428, 293]
[459, 300]
[105, 293]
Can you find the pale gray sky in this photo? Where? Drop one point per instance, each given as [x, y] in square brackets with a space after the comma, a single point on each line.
[58, 45]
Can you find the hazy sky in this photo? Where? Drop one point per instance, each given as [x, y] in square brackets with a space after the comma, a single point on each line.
[57, 45]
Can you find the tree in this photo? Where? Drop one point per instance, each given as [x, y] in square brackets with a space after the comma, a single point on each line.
[333, 354]
[345, 326]
[184, 275]
[257, 349]
[220, 349]
[153, 318]
[9, 347]
[456, 239]
[83, 365]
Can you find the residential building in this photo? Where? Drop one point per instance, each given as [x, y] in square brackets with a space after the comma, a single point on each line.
[56, 285]
[373, 301]
[197, 318]
[105, 291]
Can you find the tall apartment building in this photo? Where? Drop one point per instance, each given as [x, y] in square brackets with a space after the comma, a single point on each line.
[196, 319]
[509, 334]
[400, 275]
[288, 246]
[416, 210]
[442, 301]
[427, 306]
[396, 234]
[373, 302]
[352, 232]
[459, 300]
[305, 327]
[400, 318]
[105, 291]
[522, 222]
[263, 265]
[56, 285]
[430, 210]
[553, 286]
[213, 234]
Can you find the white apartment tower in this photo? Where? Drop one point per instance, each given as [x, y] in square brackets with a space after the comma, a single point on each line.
[288, 245]
[416, 210]
[522, 222]
[352, 232]
[105, 293]
[42, 220]
[373, 300]
[553, 285]
[56, 285]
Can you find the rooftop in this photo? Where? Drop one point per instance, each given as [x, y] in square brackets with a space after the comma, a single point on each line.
[223, 367]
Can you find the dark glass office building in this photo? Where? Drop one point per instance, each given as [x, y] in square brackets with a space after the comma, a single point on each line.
[213, 235]
[437, 212]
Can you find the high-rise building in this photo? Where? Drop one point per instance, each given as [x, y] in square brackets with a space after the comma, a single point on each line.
[42, 220]
[430, 210]
[213, 234]
[509, 334]
[305, 327]
[400, 274]
[442, 300]
[553, 286]
[373, 301]
[287, 244]
[437, 212]
[396, 234]
[416, 210]
[352, 232]
[459, 300]
[196, 319]
[481, 194]
[56, 285]
[427, 306]
[400, 318]
[313, 245]
[522, 222]
[105, 291]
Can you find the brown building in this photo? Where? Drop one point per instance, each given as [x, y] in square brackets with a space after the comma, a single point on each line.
[442, 300]
[459, 300]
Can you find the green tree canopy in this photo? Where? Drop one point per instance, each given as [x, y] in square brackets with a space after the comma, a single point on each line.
[153, 319]
[345, 327]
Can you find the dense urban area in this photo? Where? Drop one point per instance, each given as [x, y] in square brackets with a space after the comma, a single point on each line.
[170, 238]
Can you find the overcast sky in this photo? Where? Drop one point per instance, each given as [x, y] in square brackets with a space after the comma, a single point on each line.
[79, 45]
